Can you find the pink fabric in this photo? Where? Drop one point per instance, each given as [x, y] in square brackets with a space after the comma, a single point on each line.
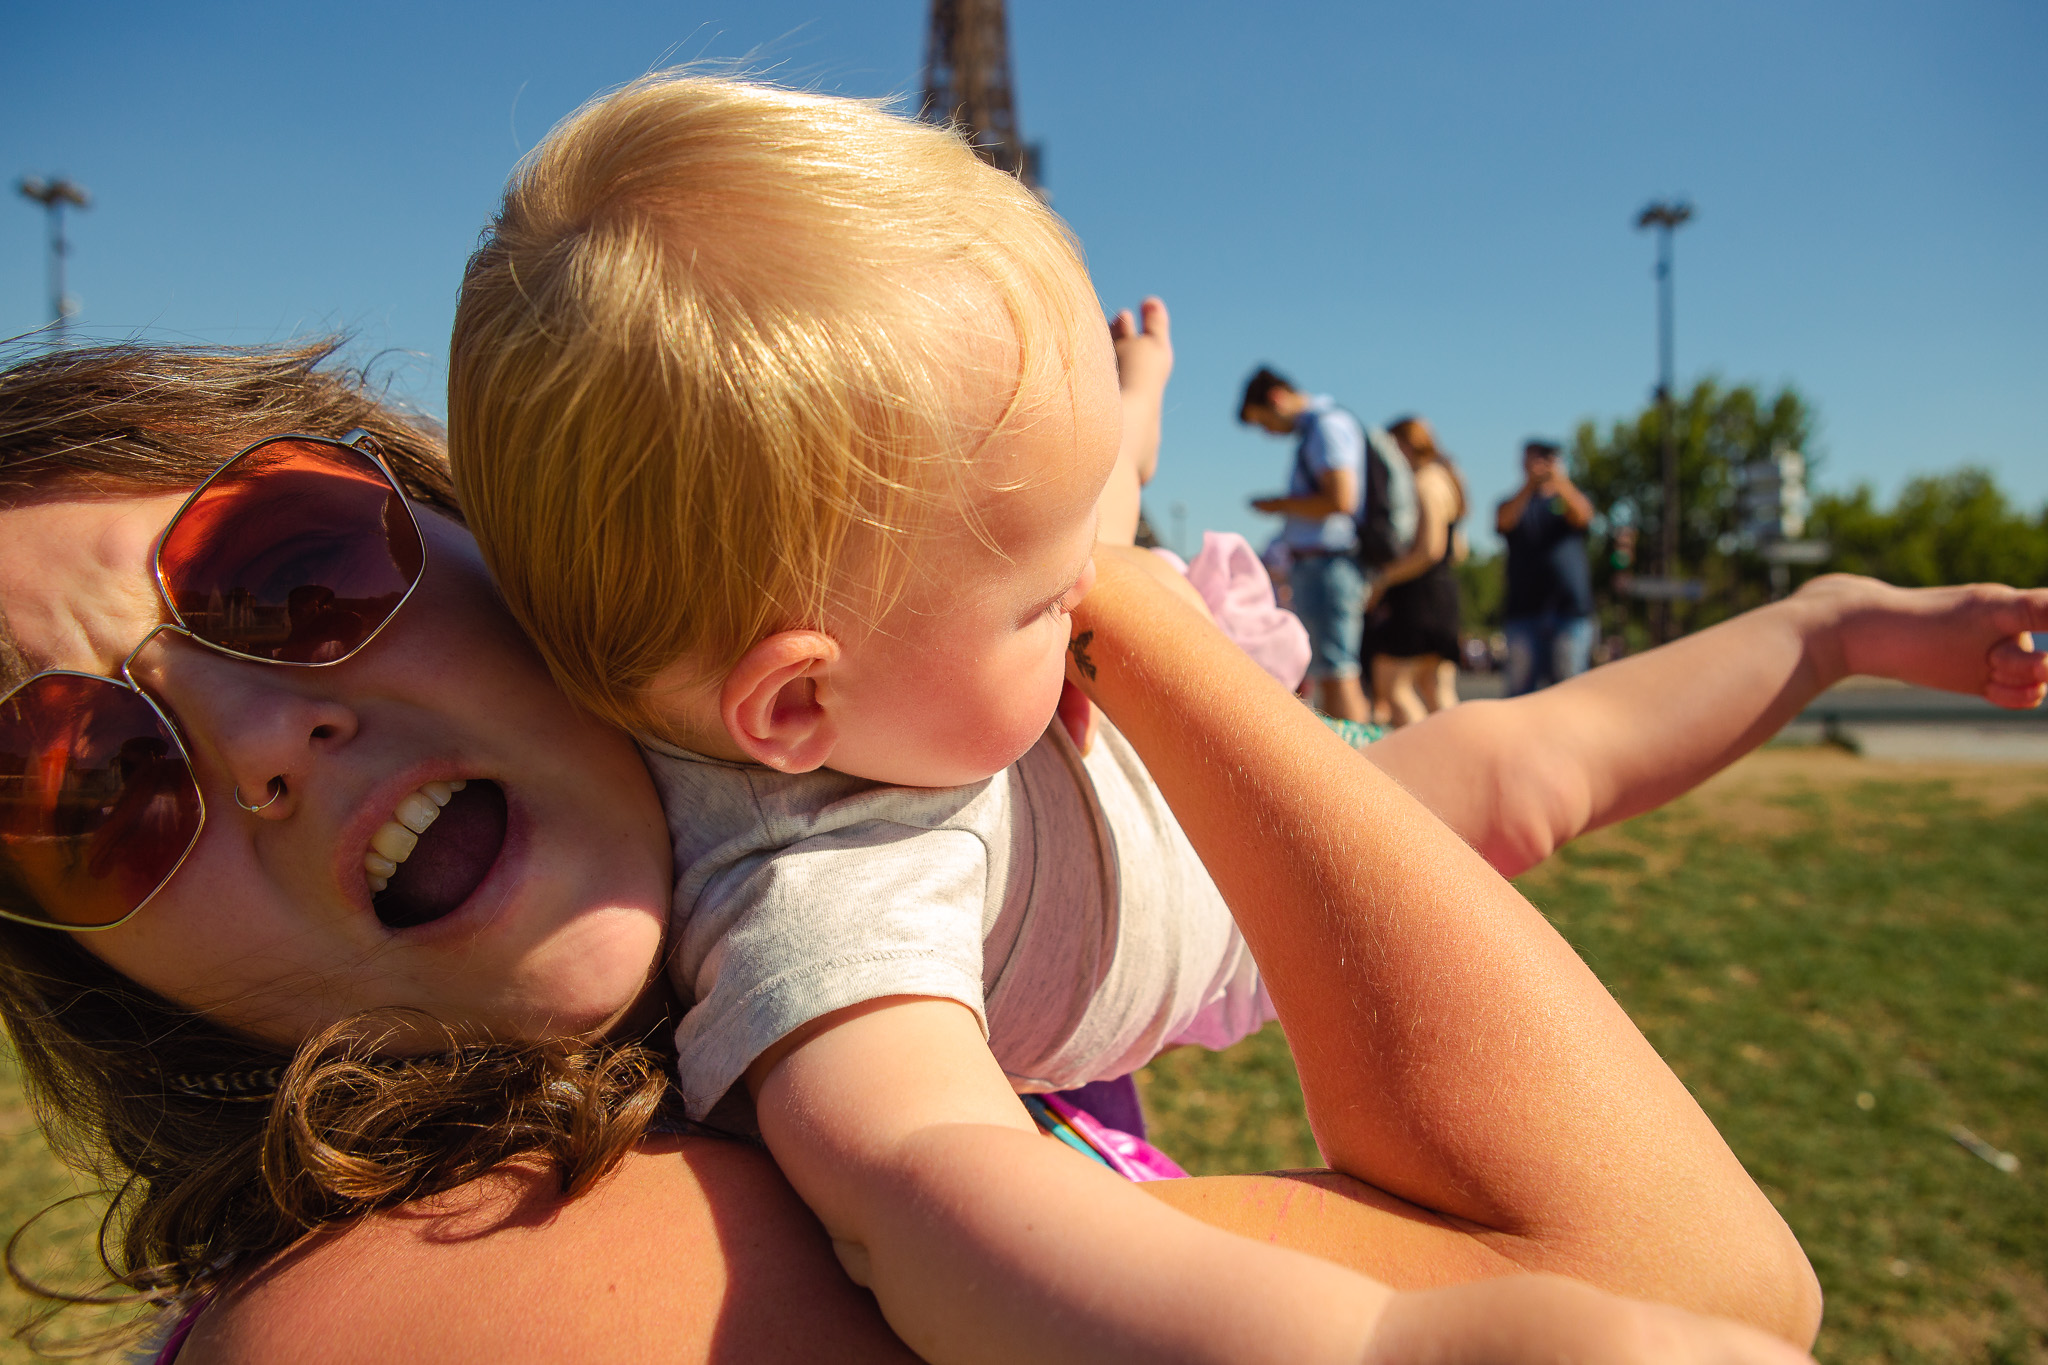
[1130, 1157]
[1230, 578]
[175, 1342]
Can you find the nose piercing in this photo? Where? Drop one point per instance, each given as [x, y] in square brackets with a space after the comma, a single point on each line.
[276, 786]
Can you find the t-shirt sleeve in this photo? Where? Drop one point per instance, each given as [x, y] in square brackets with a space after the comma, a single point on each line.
[1343, 442]
[784, 937]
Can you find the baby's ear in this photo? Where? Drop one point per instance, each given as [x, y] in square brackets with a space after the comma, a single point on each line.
[770, 701]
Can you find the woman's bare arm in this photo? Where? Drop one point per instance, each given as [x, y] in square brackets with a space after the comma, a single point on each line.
[1520, 778]
[1436, 493]
[1453, 1051]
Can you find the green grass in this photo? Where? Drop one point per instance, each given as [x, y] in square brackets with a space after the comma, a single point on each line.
[1789, 952]
[57, 1250]
[1841, 976]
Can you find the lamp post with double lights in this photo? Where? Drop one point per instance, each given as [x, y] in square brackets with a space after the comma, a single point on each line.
[1666, 217]
[56, 195]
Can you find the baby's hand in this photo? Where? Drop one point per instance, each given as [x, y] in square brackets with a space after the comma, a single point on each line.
[1144, 349]
[1974, 639]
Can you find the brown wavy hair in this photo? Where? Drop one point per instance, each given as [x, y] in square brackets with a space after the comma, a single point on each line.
[213, 1148]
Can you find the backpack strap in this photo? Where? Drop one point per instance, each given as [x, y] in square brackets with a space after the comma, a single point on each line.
[1303, 475]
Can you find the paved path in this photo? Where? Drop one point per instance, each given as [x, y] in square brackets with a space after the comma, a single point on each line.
[1892, 722]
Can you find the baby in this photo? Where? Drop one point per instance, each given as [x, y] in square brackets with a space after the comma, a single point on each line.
[784, 424]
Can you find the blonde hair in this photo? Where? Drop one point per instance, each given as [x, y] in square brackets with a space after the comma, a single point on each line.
[709, 357]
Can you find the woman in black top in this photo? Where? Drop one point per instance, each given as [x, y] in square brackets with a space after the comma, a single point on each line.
[1414, 606]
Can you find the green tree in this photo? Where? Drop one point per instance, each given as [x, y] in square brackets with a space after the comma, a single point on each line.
[1718, 431]
[1482, 585]
[1947, 528]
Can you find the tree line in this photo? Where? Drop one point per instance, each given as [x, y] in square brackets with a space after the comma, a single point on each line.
[1955, 527]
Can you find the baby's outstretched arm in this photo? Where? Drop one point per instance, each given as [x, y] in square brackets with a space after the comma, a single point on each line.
[984, 1241]
[1144, 362]
[1520, 778]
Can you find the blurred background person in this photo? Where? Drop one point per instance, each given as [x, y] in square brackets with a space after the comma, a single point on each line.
[1327, 588]
[1413, 612]
[1549, 606]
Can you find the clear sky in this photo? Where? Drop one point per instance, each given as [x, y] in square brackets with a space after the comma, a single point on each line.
[1414, 207]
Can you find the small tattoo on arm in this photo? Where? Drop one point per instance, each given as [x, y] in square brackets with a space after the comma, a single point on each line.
[1078, 647]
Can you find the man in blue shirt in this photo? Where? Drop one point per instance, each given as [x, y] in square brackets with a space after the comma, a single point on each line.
[1549, 607]
[1320, 532]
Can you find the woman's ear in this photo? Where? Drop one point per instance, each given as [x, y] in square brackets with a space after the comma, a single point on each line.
[770, 701]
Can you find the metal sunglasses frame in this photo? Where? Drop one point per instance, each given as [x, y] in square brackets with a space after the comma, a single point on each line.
[358, 441]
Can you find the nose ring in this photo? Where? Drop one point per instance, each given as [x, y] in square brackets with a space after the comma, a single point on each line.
[276, 786]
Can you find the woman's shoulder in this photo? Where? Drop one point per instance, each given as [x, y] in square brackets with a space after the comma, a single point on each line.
[691, 1250]
[1438, 482]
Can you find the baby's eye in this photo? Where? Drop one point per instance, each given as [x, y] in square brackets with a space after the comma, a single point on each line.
[1063, 606]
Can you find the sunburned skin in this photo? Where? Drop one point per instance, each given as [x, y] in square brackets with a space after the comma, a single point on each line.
[1078, 647]
[551, 847]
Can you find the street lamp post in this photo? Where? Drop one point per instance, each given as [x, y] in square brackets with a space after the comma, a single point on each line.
[55, 195]
[1666, 216]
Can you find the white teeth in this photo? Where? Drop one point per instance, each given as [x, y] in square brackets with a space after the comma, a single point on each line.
[417, 811]
[396, 838]
[394, 841]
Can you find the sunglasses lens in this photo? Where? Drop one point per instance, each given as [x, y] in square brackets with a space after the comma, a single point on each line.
[97, 802]
[297, 552]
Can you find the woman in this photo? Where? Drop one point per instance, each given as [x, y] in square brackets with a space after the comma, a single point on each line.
[1468, 1155]
[1414, 601]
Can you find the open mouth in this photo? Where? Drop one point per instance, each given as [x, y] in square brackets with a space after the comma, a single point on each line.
[454, 854]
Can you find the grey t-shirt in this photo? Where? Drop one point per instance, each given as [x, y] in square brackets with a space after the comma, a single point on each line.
[1059, 900]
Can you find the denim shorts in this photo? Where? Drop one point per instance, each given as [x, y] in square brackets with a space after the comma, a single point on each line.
[1546, 649]
[1329, 597]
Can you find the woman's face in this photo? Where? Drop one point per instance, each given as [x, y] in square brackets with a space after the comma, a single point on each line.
[546, 920]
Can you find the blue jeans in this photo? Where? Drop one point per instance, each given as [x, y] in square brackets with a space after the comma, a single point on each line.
[1329, 597]
[1546, 649]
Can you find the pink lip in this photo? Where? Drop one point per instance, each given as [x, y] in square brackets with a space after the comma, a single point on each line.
[490, 894]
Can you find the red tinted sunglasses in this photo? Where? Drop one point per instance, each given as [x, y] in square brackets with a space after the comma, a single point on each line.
[295, 552]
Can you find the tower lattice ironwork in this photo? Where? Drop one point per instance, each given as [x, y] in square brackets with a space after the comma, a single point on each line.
[967, 83]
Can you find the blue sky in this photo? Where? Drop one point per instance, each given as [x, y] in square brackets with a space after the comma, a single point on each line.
[1413, 207]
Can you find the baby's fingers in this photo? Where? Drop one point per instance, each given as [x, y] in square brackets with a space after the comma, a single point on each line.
[1158, 322]
[2019, 674]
